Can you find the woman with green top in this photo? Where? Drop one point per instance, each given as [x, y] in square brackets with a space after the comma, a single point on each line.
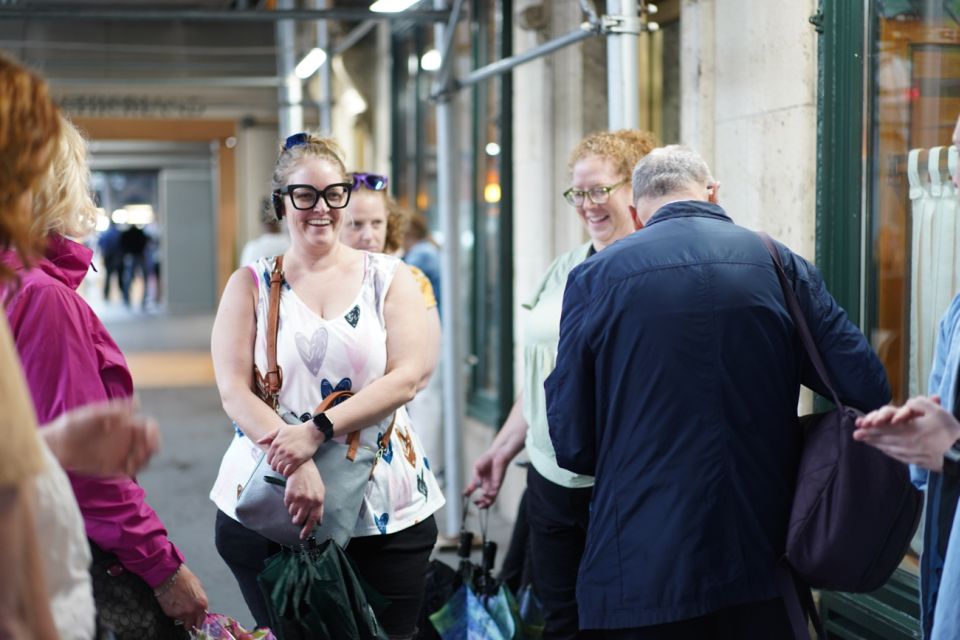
[557, 500]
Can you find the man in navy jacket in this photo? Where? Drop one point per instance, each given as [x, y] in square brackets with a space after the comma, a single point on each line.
[677, 382]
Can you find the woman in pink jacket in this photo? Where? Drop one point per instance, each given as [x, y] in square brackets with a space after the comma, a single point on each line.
[70, 360]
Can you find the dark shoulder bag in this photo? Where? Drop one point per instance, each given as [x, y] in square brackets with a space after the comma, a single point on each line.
[854, 509]
[126, 605]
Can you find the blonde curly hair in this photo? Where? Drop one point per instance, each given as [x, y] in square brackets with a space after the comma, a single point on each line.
[63, 204]
[313, 146]
[623, 147]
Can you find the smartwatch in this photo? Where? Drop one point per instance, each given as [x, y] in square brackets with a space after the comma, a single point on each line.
[951, 460]
[324, 426]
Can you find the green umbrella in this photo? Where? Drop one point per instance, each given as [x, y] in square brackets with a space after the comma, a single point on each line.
[314, 592]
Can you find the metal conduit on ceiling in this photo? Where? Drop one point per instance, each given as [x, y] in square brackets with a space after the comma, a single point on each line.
[89, 12]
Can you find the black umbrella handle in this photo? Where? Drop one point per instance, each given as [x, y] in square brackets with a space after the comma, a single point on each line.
[489, 556]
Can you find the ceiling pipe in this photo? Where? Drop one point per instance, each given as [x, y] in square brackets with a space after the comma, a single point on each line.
[326, 80]
[290, 91]
[43, 13]
[247, 82]
[356, 35]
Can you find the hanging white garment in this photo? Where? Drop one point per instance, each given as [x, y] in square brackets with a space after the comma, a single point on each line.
[935, 274]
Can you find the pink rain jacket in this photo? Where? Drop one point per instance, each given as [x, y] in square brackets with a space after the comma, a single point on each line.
[70, 360]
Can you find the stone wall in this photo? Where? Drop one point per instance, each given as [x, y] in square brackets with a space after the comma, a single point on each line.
[748, 83]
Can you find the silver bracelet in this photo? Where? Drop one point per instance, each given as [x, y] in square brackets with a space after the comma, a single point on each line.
[168, 583]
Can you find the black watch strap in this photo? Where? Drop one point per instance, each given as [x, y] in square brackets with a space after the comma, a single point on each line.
[323, 425]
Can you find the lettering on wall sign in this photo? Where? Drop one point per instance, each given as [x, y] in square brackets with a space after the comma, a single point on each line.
[131, 106]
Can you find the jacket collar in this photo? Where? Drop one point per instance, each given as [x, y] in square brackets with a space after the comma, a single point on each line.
[689, 209]
[65, 260]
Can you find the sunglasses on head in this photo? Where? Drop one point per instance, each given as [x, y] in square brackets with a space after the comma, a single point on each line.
[372, 181]
[295, 140]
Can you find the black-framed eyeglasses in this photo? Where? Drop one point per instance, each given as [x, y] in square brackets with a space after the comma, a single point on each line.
[305, 197]
[598, 195]
[372, 181]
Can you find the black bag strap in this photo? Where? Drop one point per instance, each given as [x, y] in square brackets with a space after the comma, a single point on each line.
[796, 596]
[797, 313]
[798, 602]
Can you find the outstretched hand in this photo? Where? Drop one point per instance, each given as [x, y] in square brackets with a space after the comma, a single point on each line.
[488, 473]
[105, 439]
[919, 432]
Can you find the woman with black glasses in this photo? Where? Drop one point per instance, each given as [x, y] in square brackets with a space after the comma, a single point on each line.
[558, 501]
[348, 320]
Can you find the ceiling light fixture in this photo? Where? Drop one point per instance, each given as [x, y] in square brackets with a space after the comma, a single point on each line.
[430, 61]
[391, 6]
[310, 63]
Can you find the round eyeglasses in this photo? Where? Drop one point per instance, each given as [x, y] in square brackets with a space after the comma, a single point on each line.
[305, 197]
[598, 195]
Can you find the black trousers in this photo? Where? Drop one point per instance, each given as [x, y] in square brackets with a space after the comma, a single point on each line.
[394, 565]
[517, 569]
[558, 533]
[765, 620]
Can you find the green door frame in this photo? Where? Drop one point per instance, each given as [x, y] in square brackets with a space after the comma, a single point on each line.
[480, 404]
[840, 143]
[488, 406]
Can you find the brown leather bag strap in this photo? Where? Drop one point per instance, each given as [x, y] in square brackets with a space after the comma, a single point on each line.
[353, 438]
[274, 378]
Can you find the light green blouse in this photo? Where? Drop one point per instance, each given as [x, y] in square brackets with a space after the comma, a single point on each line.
[540, 338]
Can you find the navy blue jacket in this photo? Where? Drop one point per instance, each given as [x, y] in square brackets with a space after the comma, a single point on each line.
[676, 385]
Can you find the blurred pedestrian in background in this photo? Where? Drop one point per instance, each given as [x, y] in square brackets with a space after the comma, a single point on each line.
[272, 241]
[133, 247]
[420, 251]
[109, 245]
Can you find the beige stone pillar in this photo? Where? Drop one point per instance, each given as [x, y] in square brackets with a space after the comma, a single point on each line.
[749, 78]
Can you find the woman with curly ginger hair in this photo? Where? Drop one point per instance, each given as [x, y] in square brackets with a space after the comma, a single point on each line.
[558, 501]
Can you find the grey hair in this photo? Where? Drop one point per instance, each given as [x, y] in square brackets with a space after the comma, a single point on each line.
[669, 170]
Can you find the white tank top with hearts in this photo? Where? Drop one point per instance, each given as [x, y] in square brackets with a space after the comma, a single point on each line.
[319, 356]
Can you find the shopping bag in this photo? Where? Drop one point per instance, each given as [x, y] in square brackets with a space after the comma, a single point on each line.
[314, 592]
[220, 627]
